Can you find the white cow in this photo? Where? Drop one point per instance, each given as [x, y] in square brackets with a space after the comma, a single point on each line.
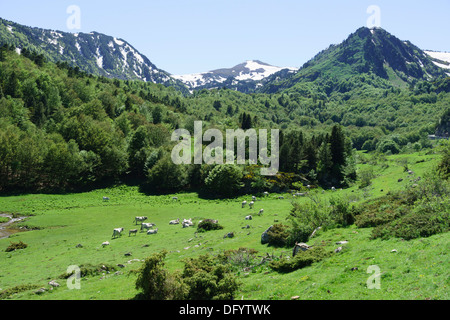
[152, 231]
[187, 223]
[251, 204]
[134, 231]
[249, 218]
[266, 193]
[244, 203]
[105, 199]
[175, 221]
[117, 232]
[104, 244]
[147, 226]
[253, 198]
[298, 194]
[260, 212]
[333, 189]
[140, 219]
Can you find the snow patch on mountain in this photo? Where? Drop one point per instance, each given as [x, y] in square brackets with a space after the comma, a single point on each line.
[258, 71]
[442, 57]
[99, 59]
[119, 42]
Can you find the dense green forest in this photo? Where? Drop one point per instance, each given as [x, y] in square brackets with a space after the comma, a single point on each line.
[62, 129]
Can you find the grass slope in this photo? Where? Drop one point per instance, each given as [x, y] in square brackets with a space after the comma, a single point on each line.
[417, 270]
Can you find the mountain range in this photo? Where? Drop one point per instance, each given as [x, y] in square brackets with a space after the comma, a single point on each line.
[371, 51]
[93, 53]
[245, 77]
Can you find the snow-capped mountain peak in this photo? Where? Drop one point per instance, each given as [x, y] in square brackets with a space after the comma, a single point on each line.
[248, 71]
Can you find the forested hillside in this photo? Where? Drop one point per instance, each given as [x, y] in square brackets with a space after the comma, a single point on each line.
[64, 129]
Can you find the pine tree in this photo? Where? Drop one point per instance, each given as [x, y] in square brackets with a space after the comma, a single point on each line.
[325, 164]
[337, 142]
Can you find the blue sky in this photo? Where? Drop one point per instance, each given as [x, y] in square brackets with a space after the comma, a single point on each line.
[189, 36]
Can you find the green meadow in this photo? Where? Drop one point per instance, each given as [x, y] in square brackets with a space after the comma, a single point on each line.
[57, 224]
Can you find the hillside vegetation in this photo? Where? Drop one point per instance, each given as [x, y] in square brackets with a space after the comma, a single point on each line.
[361, 187]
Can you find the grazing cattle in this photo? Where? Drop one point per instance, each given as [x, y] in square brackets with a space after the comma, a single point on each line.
[134, 231]
[152, 231]
[333, 189]
[253, 198]
[260, 212]
[187, 223]
[105, 199]
[104, 244]
[248, 218]
[175, 221]
[244, 203]
[175, 198]
[229, 235]
[117, 232]
[280, 197]
[140, 219]
[147, 226]
[251, 204]
[266, 193]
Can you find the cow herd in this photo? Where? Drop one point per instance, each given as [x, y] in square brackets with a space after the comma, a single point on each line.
[150, 230]
[149, 227]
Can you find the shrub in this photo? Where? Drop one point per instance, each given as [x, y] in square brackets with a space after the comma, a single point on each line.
[16, 246]
[156, 283]
[388, 145]
[301, 260]
[90, 270]
[381, 211]
[166, 176]
[242, 257]
[444, 165]
[203, 278]
[20, 288]
[224, 180]
[307, 217]
[207, 279]
[341, 213]
[427, 219]
[207, 225]
[366, 177]
[278, 235]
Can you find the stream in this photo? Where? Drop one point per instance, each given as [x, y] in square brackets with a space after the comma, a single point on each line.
[4, 231]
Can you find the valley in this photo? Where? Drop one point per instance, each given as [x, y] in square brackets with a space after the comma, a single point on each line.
[87, 135]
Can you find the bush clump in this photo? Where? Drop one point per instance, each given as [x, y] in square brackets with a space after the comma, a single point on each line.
[17, 289]
[278, 235]
[301, 260]
[16, 246]
[242, 257]
[156, 283]
[90, 270]
[203, 278]
[207, 279]
[427, 219]
[208, 225]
